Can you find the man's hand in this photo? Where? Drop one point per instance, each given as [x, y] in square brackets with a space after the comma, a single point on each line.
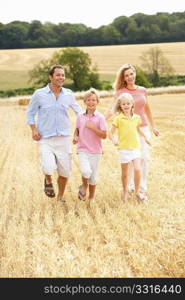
[36, 134]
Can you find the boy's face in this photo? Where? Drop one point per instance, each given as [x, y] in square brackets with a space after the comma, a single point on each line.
[91, 102]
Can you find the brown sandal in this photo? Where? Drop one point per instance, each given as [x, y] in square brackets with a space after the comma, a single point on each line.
[48, 189]
[81, 195]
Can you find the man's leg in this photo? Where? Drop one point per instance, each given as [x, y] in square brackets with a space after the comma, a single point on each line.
[48, 165]
[62, 181]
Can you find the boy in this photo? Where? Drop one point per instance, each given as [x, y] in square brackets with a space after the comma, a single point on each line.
[90, 129]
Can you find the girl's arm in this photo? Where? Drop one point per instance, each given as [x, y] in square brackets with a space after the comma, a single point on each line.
[76, 135]
[150, 119]
[101, 133]
[142, 133]
[112, 135]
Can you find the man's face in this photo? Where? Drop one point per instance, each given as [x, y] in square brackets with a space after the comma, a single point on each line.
[58, 77]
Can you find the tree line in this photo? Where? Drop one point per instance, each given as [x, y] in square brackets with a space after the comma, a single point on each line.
[138, 28]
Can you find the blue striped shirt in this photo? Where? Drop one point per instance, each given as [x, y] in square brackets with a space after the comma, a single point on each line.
[53, 118]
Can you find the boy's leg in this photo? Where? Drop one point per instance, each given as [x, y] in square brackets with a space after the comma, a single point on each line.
[124, 180]
[85, 182]
[86, 172]
[94, 160]
[92, 188]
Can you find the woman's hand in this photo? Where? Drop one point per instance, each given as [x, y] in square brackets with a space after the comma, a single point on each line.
[155, 131]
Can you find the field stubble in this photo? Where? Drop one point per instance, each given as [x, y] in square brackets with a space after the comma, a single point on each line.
[41, 237]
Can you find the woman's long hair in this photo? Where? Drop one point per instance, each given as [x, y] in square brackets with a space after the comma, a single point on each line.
[119, 82]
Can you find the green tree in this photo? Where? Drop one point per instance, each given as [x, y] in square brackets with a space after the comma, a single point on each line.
[110, 35]
[155, 64]
[77, 66]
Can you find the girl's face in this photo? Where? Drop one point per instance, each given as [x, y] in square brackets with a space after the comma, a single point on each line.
[129, 76]
[126, 106]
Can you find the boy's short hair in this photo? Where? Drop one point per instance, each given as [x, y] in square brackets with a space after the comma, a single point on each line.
[91, 91]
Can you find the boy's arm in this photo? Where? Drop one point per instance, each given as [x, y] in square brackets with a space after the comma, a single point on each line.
[76, 135]
[112, 135]
[101, 133]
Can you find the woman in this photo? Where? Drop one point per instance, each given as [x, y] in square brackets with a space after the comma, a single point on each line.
[125, 83]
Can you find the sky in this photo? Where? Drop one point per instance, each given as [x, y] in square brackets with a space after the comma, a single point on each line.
[92, 13]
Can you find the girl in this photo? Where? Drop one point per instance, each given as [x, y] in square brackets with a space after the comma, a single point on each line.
[128, 125]
[125, 83]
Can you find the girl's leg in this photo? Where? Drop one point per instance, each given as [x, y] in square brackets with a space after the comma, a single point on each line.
[130, 178]
[137, 173]
[137, 178]
[124, 179]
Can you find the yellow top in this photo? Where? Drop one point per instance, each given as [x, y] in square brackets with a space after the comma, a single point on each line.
[127, 131]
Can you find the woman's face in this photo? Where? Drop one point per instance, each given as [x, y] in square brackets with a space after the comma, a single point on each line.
[129, 76]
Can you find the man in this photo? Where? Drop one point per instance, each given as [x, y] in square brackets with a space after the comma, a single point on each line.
[52, 131]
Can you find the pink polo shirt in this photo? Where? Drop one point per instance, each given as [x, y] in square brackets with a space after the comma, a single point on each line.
[89, 141]
[140, 98]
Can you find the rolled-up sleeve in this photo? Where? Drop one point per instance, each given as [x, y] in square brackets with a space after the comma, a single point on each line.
[74, 105]
[32, 109]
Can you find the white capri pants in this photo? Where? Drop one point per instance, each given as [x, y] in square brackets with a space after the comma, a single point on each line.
[55, 154]
[89, 164]
[145, 157]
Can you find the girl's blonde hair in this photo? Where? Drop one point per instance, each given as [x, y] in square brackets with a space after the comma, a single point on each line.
[119, 82]
[90, 92]
[122, 97]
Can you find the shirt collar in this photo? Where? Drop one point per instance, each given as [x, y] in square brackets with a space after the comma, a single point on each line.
[94, 114]
[124, 117]
[48, 90]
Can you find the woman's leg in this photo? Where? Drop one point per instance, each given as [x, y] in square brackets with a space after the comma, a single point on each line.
[145, 157]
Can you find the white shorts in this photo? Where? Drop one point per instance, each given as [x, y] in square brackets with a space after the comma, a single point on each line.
[145, 148]
[55, 154]
[127, 155]
[89, 166]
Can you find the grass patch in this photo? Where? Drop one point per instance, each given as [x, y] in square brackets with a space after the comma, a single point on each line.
[107, 77]
[13, 79]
